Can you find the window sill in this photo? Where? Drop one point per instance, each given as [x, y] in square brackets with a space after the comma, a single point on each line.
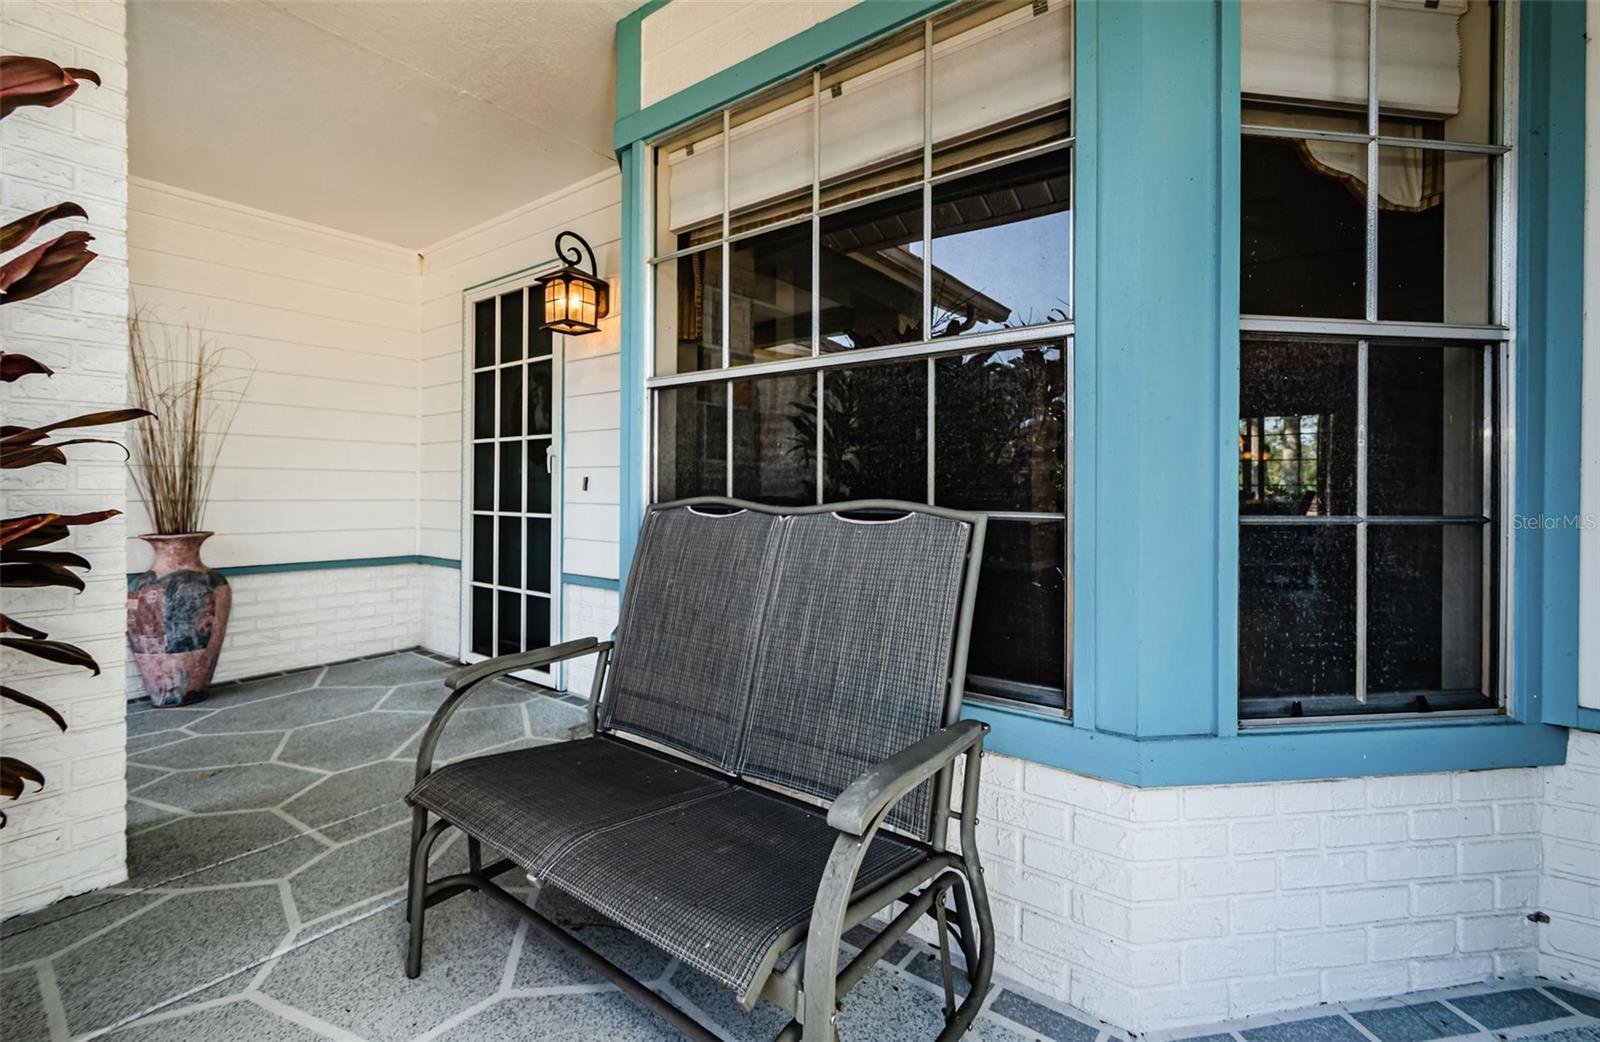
[1298, 752]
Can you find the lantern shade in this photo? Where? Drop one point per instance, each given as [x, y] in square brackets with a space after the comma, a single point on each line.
[574, 303]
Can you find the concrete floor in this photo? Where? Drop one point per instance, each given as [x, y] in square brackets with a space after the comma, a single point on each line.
[266, 845]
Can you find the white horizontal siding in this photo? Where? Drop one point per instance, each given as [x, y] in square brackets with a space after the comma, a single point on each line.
[689, 40]
[321, 463]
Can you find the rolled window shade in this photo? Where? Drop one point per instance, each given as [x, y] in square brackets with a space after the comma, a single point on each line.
[876, 118]
[1316, 51]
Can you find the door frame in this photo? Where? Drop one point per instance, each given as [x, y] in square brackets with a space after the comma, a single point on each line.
[555, 677]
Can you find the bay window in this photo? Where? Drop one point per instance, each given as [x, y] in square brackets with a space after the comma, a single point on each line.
[1374, 357]
[862, 289]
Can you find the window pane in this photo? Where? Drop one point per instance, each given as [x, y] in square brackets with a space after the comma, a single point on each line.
[1297, 613]
[538, 623]
[770, 166]
[541, 404]
[1314, 54]
[511, 476]
[1002, 247]
[871, 274]
[1297, 428]
[482, 548]
[508, 571]
[511, 326]
[508, 627]
[689, 313]
[872, 119]
[1425, 430]
[774, 439]
[510, 402]
[688, 173]
[483, 404]
[539, 555]
[1000, 430]
[540, 341]
[770, 295]
[482, 621]
[483, 476]
[1435, 235]
[1425, 609]
[483, 333]
[692, 441]
[1303, 220]
[539, 476]
[1019, 627]
[979, 115]
[1437, 62]
[876, 432]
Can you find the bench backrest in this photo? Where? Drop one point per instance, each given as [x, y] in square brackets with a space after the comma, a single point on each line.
[795, 648]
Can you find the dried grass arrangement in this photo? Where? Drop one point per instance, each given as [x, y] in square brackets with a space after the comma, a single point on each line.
[193, 390]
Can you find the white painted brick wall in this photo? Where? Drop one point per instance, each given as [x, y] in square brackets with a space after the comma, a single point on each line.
[68, 838]
[1157, 908]
[284, 620]
[1569, 886]
[441, 610]
[588, 612]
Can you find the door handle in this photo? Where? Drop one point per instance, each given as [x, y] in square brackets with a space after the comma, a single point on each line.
[549, 459]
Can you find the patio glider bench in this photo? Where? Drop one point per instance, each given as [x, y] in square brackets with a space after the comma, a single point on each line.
[773, 739]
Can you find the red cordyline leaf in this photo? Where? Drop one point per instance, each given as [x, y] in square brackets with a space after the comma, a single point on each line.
[22, 629]
[14, 367]
[37, 81]
[13, 695]
[45, 267]
[29, 575]
[15, 437]
[52, 651]
[20, 230]
[42, 529]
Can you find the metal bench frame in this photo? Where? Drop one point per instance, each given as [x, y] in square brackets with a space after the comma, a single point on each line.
[946, 886]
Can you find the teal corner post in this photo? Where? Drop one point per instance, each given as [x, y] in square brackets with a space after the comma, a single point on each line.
[635, 268]
[1549, 361]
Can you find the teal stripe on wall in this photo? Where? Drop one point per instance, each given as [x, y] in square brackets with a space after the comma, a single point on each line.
[322, 566]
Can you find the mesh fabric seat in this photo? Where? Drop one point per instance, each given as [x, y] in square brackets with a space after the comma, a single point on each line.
[718, 880]
[532, 803]
[686, 639]
[853, 662]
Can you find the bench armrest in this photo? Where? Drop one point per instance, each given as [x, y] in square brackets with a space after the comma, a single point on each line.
[882, 784]
[467, 679]
[464, 675]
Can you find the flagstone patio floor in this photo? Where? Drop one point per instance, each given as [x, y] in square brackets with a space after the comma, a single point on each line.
[266, 845]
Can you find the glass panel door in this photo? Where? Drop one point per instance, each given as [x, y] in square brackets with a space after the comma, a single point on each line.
[510, 542]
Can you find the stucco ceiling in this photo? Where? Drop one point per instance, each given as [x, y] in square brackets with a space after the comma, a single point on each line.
[401, 120]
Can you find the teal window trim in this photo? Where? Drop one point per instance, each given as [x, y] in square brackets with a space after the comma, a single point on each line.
[1143, 714]
[1549, 337]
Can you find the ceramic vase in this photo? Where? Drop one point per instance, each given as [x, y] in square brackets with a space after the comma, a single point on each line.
[177, 617]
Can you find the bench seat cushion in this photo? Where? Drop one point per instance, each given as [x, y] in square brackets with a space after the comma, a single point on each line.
[532, 803]
[716, 880]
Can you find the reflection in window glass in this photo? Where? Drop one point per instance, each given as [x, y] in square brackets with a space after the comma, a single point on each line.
[1435, 234]
[871, 274]
[1297, 428]
[769, 295]
[1000, 430]
[875, 442]
[1425, 610]
[692, 441]
[1425, 430]
[1019, 626]
[1002, 243]
[689, 313]
[775, 439]
[1302, 237]
[1297, 616]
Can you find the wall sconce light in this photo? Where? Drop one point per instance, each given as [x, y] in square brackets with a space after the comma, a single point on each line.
[574, 302]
